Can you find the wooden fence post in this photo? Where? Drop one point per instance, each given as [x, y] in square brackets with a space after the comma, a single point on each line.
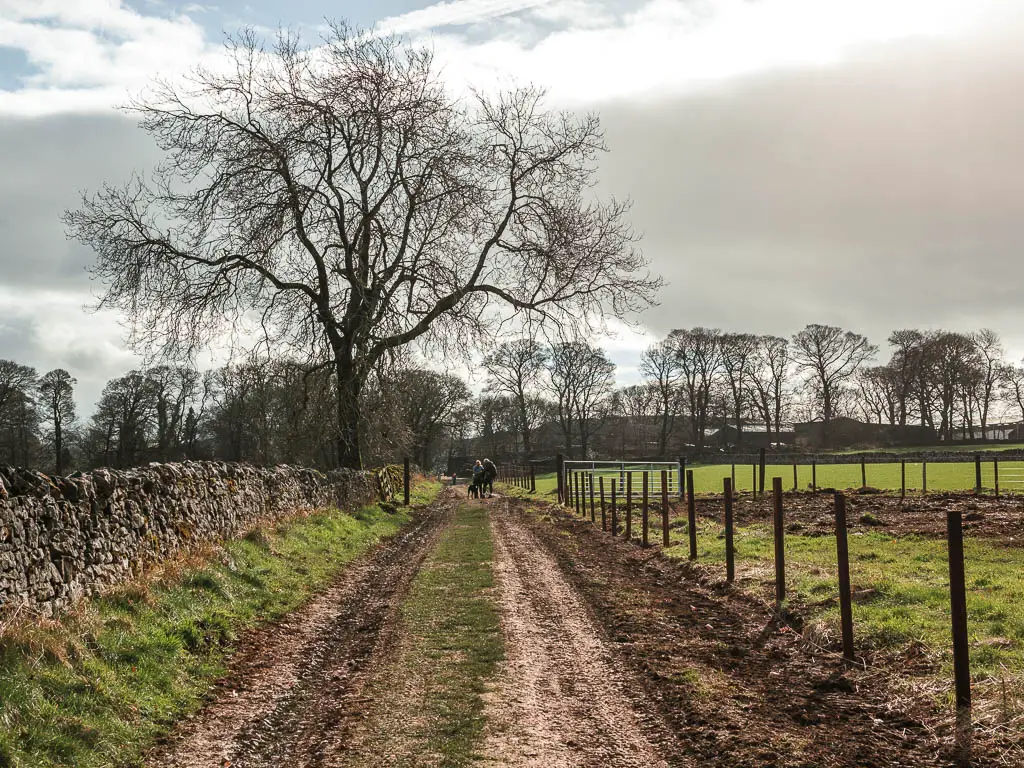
[863, 473]
[629, 505]
[780, 542]
[664, 509]
[924, 477]
[958, 612]
[590, 483]
[691, 514]
[977, 473]
[644, 510]
[796, 486]
[560, 474]
[995, 474]
[730, 561]
[732, 474]
[903, 480]
[682, 476]
[406, 479]
[615, 513]
[760, 482]
[604, 525]
[533, 478]
[843, 558]
[814, 476]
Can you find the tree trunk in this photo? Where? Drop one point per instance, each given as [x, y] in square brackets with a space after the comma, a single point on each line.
[58, 443]
[349, 387]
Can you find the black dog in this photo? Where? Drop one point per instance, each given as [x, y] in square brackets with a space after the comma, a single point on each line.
[473, 491]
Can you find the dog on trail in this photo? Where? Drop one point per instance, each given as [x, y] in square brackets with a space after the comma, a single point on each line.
[473, 491]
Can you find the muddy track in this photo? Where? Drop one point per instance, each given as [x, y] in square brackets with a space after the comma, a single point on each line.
[561, 701]
[736, 689]
[293, 691]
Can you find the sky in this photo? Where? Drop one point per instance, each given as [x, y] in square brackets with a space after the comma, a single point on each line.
[850, 162]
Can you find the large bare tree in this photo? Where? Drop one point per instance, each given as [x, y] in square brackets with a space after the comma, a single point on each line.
[343, 202]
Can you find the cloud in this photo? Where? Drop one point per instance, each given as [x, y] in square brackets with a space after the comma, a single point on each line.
[659, 48]
[455, 12]
[89, 54]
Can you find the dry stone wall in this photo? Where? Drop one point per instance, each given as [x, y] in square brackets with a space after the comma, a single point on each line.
[64, 538]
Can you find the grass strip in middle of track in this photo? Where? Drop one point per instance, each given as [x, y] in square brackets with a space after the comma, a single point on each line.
[429, 703]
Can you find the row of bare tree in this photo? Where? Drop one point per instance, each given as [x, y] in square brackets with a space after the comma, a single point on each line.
[700, 379]
[265, 412]
[546, 397]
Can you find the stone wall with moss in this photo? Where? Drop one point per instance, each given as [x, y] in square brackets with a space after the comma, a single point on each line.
[64, 538]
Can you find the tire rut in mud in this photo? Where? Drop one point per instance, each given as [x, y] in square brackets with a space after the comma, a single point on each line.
[294, 693]
[561, 700]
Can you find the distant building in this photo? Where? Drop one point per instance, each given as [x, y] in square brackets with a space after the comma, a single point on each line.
[753, 436]
[843, 432]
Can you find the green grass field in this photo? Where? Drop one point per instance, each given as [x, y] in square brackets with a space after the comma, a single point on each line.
[957, 476]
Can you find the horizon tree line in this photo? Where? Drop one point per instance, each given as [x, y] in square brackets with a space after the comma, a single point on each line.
[538, 398]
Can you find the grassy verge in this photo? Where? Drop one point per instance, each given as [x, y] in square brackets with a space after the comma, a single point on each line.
[429, 705]
[97, 688]
[900, 588]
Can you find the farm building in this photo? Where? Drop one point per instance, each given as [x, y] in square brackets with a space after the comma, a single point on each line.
[843, 432]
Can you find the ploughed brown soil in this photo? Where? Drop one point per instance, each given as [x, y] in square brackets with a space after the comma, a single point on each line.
[736, 687]
[293, 691]
[812, 513]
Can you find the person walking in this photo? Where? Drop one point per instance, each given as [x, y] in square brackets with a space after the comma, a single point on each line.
[490, 472]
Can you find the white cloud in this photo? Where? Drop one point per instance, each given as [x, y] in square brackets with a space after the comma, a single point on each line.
[90, 54]
[455, 12]
[671, 46]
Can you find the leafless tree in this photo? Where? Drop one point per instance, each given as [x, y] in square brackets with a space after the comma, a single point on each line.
[768, 380]
[1012, 387]
[877, 394]
[431, 402]
[19, 418]
[660, 365]
[346, 199]
[990, 368]
[829, 357]
[700, 358]
[581, 379]
[639, 405]
[739, 355]
[515, 369]
[57, 398]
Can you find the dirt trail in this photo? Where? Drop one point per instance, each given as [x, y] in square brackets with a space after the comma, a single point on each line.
[294, 689]
[560, 700]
